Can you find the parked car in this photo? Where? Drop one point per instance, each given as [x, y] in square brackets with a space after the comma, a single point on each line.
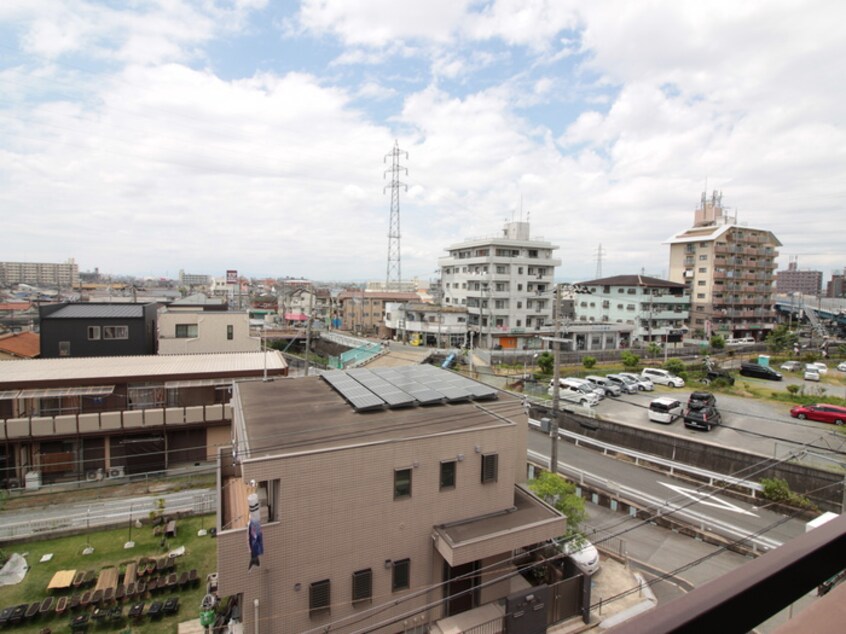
[811, 372]
[581, 394]
[702, 418]
[609, 387]
[584, 385]
[698, 400]
[643, 384]
[821, 367]
[626, 385]
[713, 375]
[820, 412]
[791, 366]
[759, 371]
[582, 553]
[842, 366]
[665, 410]
[664, 377]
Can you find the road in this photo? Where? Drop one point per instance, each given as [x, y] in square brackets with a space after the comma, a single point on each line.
[104, 512]
[717, 514]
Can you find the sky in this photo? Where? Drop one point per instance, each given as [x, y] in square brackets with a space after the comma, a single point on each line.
[147, 136]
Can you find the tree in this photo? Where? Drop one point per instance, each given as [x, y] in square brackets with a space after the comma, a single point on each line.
[781, 339]
[560, 493]
[676, 366]
[653, 349]
[589, 362]
[718, 342]
[545, 362]
[630, 360]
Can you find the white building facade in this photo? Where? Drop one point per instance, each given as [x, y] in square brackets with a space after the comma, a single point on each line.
[657, 309]
[506, 283]
[427, 324]
[196, 332]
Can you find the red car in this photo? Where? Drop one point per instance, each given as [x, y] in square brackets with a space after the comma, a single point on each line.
[821, 412]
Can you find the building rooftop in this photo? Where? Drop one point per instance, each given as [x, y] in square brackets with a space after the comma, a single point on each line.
[632, 280]
[305, 414]
[18, 374]
[25, 345]
[396, 296]
[714, 232]
[98, 311]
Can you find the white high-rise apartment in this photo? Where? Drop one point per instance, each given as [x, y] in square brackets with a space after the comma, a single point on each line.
[506, 283]
[60, 275]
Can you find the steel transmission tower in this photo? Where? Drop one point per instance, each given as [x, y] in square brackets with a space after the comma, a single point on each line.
[394, 273]
[599, 253]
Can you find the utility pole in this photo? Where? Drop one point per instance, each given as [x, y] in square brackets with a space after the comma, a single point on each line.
[394, 272]
[308, 328]
[556, 377]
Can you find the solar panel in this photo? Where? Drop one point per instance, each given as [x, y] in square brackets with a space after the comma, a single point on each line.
[476, 389]
[432, 378]
[422, 393]
[358, 396]
[388, 392]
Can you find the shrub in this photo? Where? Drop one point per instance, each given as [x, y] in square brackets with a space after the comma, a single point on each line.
[589, 362]
[793, 389]
[778, 490]
[630, 360]
[718, 342]
[677, 367]
[545, 362]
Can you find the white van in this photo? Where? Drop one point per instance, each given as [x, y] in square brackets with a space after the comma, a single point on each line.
[662, 377]
[581, 552]
[575, 393]
[584, 383]
[665, 410]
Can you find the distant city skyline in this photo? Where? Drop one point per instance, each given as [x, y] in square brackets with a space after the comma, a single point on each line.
[145, 138]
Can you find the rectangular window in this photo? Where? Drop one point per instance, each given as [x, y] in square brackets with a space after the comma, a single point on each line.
[402, 483]
[447, 474]
[186, 331]
[703, 258]
[402, 575]
[93, 333]
[115, 332]
[362, 585]
[64, 348]
[319, 597]
[230, 332]
[489, 467]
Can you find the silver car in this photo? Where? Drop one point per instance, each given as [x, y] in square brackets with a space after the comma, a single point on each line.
[609, 387]
[643, 383]
[626, 384]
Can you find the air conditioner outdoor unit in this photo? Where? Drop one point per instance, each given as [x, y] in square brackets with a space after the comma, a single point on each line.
[91, 476]
[117, 472]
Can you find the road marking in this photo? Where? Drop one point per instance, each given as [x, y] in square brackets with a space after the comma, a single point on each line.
[707, 499]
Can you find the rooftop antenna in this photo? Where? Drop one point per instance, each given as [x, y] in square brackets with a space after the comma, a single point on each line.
[394, 271]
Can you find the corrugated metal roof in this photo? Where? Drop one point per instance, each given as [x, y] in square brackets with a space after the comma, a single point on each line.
[99, 311]
[105, 369]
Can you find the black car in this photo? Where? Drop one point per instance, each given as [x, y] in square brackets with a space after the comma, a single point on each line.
[698, 400]
[759, 371]
[713, 375]
[702, 418]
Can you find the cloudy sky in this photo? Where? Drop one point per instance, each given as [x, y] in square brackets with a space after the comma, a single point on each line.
[150, 136]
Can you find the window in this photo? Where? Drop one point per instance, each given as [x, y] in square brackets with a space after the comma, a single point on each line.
[230, 332]
[700, 283]
[703, 269]
[186, 331]
[489, 467]
[402, 483]
[362, 585]
[64, 348]
[318, 597]
[702, 258]
[401, 575]
[115, 332]
[447, 474]
[93, 333]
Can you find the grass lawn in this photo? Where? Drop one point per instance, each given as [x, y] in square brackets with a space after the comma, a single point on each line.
[201, 553]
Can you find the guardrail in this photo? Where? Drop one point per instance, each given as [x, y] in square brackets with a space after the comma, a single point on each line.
[713, 478]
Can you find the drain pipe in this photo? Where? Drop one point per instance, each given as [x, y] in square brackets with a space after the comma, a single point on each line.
[256, 615]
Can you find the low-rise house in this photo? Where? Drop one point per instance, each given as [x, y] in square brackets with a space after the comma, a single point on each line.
[22, 345]
[200, 332]
[427, 324]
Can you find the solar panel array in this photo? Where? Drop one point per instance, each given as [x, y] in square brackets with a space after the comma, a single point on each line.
[404, 387]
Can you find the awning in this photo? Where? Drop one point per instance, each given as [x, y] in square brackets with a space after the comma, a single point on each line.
[9, 395]
[94, 390]
[295, 316]
[173, 385]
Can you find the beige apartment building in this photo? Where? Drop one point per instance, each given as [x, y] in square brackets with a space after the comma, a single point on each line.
[59, 275]
[729, 270]
[364, 311]
[377, 510]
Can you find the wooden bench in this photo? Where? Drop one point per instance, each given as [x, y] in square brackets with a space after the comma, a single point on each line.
[170, 529]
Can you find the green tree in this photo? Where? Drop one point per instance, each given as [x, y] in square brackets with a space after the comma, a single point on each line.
[718, 342]
[560, 493]
[630, 360]
[653, 349]
[781, 339]
[676, 366]
[589, 362]
[545, 362]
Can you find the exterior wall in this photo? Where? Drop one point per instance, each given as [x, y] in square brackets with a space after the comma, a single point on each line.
[427, 323]
[334, 503]
[652, 311]
[211, 333]
[505, 284]
[793, 281]
[217, 437]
